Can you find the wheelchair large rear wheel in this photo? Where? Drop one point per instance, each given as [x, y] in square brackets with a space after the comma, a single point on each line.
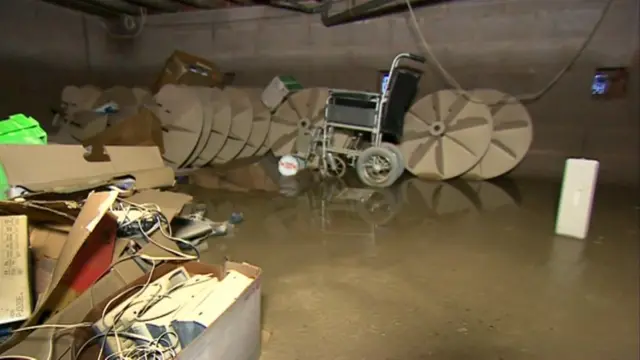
[398, 154]
[378, 167]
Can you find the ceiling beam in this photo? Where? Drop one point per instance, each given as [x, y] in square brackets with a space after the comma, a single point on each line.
[120, 6]
[84, 7]
[206, 4]
[159, 5]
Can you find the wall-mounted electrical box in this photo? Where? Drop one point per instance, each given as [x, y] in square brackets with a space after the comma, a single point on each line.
[610, 83]
[383, 80]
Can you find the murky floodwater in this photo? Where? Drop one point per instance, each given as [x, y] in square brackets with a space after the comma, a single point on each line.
[438, 271]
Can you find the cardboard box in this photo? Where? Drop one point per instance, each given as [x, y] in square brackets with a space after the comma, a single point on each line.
[15, 297]
[35, 344]
[60, 212]
[46, 242]
[185, 69]
[141, 129]
[236, 334]
[94, 209]
[42, 274]
[68, 168]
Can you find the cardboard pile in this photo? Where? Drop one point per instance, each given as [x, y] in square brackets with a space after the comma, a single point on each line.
[66, 220]
[193, 117]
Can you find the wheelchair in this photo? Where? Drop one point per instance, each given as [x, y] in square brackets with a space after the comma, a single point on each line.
[362, 129]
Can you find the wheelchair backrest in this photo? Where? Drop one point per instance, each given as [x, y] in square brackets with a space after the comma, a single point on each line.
[403, 87]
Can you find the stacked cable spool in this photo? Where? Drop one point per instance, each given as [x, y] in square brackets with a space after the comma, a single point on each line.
[201, 126]
[89, 110]
[446, 134]
[478, 137]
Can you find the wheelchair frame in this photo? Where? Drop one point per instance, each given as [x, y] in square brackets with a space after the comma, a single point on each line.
[329, 158]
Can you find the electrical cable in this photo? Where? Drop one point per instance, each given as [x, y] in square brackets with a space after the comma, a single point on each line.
[523, 97]
[154, 212]
[154, 346]
[51, 338]
[147, 210]
[118, 316]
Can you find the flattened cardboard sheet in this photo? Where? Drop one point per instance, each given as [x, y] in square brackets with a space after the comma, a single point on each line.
[67, 168]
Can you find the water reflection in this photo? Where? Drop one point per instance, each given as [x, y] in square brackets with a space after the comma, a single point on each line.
[413, 201]
[347, 207]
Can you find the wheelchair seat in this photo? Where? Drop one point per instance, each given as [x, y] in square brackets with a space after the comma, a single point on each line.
[352, 108]
[403, 88]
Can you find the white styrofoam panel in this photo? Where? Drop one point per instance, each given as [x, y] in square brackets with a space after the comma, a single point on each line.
[576, 198]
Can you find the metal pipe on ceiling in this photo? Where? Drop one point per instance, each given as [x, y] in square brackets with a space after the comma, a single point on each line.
[297, 6]
[120, 6]
[369, 10]
[205, 4]
[159, 5]
[84, 7]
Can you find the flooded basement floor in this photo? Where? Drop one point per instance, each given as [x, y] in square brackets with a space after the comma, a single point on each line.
[438, 271]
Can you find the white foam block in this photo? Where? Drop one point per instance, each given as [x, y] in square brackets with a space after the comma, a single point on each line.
[576, 197]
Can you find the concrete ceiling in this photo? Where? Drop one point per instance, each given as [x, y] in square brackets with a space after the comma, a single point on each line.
[113, 8]
[332, 12]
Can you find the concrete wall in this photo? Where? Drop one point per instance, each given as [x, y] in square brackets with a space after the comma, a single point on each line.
[516, 46]
[42, 49]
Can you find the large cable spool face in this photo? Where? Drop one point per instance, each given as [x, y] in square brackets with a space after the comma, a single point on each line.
[511, 138]
[85, 124]
[144, 97]
[204, 95]
[438, 198]
[241, 125]
[305, 106]
[124, 97]
[75, 99]
[221, 114]
[182, 117]
[125, 100]
[445, 135]
[261, 123]
[170, 100]
[80, 121]
[498, 195]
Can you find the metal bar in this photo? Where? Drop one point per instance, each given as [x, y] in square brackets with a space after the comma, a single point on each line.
[369, 10]
[159, 5]
[84, 7]
[351, 127]
[119, 6]
[296, 6]
[205, 4]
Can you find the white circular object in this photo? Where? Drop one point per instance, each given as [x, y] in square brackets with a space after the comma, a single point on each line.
[445, 135]
[290, 165]
[511, 138]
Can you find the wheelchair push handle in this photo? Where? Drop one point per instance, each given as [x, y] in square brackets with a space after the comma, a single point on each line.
[410, 56]
[417, 58]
